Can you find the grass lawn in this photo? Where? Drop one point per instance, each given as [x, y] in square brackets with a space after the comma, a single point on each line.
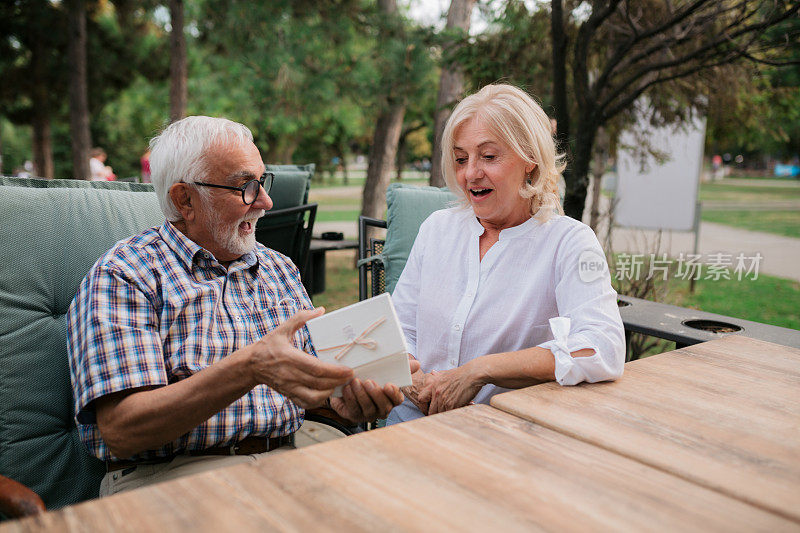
[324, 215]
[767, 299]
[785, 223]
[778, 221]
[744, 194]
[341, 280]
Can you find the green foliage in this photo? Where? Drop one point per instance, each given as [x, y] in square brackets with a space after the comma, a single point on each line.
[123, 45]
[292, 76]
[16, 144]
[515, 49]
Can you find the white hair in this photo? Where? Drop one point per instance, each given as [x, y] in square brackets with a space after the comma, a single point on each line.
[520, 123]
[179, 153]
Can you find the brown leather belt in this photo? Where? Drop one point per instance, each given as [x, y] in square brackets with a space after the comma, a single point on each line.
[246, 446]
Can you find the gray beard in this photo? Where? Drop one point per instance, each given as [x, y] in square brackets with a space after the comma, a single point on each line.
[228, 238]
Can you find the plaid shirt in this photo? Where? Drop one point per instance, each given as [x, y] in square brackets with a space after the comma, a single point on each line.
[157, 308]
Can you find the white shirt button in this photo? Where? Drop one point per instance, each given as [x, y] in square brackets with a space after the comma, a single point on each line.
[457, 327]
[470, 294]
[453, 362]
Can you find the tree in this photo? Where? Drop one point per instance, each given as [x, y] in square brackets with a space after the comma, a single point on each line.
[603, 55]
[32, 69]
[383, 150]
[624, 50]
[404, 67]
[302, 67]
[78, 97]
[451, 85]
[177, 63]
[122, 46]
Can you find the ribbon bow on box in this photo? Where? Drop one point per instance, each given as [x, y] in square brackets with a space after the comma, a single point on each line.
[361, 340]
[383, 358]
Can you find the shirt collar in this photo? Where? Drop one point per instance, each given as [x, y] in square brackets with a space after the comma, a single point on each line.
[189, 251]
[521, 230]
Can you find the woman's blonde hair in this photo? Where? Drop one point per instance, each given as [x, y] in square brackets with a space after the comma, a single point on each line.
[520, 123]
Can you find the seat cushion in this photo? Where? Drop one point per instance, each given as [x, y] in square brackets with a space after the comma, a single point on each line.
[51, 235]
[291, 186]
[407, 208]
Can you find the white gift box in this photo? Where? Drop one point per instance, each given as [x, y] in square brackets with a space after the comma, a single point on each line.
[367, 337]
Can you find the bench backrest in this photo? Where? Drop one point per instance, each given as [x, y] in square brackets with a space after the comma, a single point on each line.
[50, 236]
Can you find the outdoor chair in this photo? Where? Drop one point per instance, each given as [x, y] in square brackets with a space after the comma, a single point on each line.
[288, 231]
[407, 208]
[51, 233]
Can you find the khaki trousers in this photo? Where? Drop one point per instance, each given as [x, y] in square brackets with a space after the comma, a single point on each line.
[186, 465]
[182, 465]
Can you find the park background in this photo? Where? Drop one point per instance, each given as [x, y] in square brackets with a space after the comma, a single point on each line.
[361, 88]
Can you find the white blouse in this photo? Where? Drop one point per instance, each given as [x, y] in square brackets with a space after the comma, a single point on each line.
[455, 307]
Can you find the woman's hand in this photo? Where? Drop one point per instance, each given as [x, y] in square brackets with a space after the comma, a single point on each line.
[451, 389]
[412, 392]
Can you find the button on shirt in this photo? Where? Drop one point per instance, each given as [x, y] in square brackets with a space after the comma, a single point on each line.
[157, 308]
[454, 307]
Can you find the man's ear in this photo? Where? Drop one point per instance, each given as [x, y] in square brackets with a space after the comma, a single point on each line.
[181, 196]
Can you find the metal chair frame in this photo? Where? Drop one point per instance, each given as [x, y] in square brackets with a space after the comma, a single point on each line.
[370, 247]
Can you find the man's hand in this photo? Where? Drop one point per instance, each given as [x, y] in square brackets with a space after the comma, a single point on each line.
[307, 381]
[450, 389]
[365, 401]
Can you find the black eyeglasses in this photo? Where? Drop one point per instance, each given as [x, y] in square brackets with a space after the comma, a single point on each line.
[250, 189]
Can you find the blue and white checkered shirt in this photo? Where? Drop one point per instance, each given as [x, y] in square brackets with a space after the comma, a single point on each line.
[157, 308]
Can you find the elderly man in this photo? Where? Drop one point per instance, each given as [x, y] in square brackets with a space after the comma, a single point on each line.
[185, 341]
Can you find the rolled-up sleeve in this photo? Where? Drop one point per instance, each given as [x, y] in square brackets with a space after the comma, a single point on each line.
[584, 295]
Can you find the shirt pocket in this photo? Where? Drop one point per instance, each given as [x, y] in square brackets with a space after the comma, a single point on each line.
[274, 315]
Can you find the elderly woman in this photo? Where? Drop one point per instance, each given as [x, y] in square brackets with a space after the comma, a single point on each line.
[504, 291]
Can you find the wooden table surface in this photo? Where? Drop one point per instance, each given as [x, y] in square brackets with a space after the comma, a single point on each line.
[724, 414]
[472, 469]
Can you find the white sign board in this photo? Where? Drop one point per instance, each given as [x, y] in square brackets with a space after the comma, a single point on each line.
[659, 192]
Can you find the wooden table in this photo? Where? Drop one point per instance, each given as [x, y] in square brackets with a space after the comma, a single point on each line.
[471, 469]
[723, 414]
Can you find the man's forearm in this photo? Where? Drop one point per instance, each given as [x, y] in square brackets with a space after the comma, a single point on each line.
[147, 419]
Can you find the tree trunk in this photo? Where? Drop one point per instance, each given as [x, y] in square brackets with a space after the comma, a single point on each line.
[451, 86]
[560, 74]
[281, 150]
[559, 51]
[598, 169]
[40, 122]
[576, 185]
[401, 155]
[177, 63]
[383, 152]
[340, 152]
[597, 185]
[43, 146]
[382, 155]
[78, 92]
